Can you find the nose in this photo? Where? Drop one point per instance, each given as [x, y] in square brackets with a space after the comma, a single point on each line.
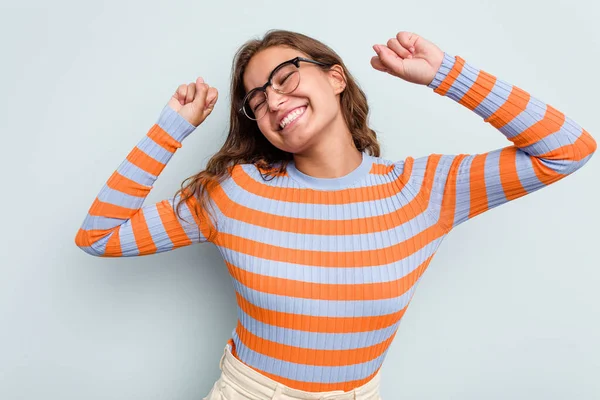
[274, 98]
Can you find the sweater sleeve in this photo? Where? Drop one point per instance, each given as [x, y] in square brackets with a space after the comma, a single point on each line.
[547, 146]
[117, 225]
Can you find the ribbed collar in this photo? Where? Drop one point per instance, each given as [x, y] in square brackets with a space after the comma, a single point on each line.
[341, 182]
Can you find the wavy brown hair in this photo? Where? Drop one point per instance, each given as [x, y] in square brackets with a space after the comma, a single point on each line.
[245, 142]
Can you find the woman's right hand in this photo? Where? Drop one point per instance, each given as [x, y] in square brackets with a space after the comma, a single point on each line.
[194, 101]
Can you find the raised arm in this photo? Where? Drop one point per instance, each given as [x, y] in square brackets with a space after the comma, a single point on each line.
[547, 145]
[117, 225]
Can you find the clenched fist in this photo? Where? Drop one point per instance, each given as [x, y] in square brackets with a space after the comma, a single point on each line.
[194, 101]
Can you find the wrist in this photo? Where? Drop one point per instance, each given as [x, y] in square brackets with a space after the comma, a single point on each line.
[447, 62]
[174, 124]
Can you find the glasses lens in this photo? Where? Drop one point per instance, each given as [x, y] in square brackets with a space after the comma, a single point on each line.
[285, 80]
[255, 105]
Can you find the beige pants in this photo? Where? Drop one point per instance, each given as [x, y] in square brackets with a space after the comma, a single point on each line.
[238, 381]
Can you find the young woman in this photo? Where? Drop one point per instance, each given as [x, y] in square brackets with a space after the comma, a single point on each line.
[325, 240]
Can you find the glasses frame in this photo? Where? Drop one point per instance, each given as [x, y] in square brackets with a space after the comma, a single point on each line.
[263, 88]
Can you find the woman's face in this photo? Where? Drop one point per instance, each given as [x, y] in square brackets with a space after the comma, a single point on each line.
[317, 94]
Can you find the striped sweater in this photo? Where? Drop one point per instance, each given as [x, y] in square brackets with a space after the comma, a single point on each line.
[324, 268]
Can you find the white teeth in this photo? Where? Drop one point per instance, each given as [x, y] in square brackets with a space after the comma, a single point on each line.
[292, 116]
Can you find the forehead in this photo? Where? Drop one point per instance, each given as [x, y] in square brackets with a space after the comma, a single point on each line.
[262, 63]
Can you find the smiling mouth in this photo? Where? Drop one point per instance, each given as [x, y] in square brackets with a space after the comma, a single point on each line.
[279, 128]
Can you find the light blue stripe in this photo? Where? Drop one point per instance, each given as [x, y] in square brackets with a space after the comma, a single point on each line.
[575, 165]
[525, 172]
[99, 246]
[115, 197]
[330, 212]
[128, 245]
[174, 124]
[154, 150]
[307, 373]
[188, 222]
[157, 230]
[91, 250]
[92, 222]
[493, 184]
[462, 207]
[447, 65]
[533, 113]
[568, 134]
[550, 143]
[136, 174]
[369, 241]
[462, 84]
[333, 275]
[493, 101]
[322, 308]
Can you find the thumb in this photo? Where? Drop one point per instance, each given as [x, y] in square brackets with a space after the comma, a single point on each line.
[211, 97]
[209, 104]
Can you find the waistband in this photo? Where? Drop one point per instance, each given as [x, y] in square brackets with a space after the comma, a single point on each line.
[260, 387]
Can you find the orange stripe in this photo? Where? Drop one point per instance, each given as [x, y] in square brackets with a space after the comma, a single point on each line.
[584, 146]
[113, 246]
[448, 206]
[203, 221]
[326, 291]
[381, 169]
[86, 238]
[109, 210]
[141, 233]
[313, 357]
[82, 238]
[453, 74]
[163, 139]
[125, 185]
[587, 142]
[309, 196]
[478, 198]
[309, 386]
[509, 178]
[315, 226]
[329, 258]
[142, 160]
[308, 226]
[318, 324]
[544, 173]
[549, 124]
[448, 201]
[172, 225]
[513, 106]
[481, 88]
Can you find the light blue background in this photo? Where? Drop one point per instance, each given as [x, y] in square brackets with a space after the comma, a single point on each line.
[509, 308]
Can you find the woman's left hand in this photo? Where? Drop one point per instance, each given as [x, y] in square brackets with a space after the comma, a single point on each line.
[410, 57]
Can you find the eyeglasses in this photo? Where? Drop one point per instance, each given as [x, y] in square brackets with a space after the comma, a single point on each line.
[284, 79]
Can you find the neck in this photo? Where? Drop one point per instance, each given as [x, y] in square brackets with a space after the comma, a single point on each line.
[334, 156]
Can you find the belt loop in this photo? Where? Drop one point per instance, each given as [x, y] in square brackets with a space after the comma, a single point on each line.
[277, 392]
[222, 357]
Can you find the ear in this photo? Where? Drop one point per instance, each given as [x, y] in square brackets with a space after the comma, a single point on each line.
[337, 78]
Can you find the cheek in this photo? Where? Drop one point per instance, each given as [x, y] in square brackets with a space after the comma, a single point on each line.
[267, 128]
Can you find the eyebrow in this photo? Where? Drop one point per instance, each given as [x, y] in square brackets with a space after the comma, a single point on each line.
[270, 73]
